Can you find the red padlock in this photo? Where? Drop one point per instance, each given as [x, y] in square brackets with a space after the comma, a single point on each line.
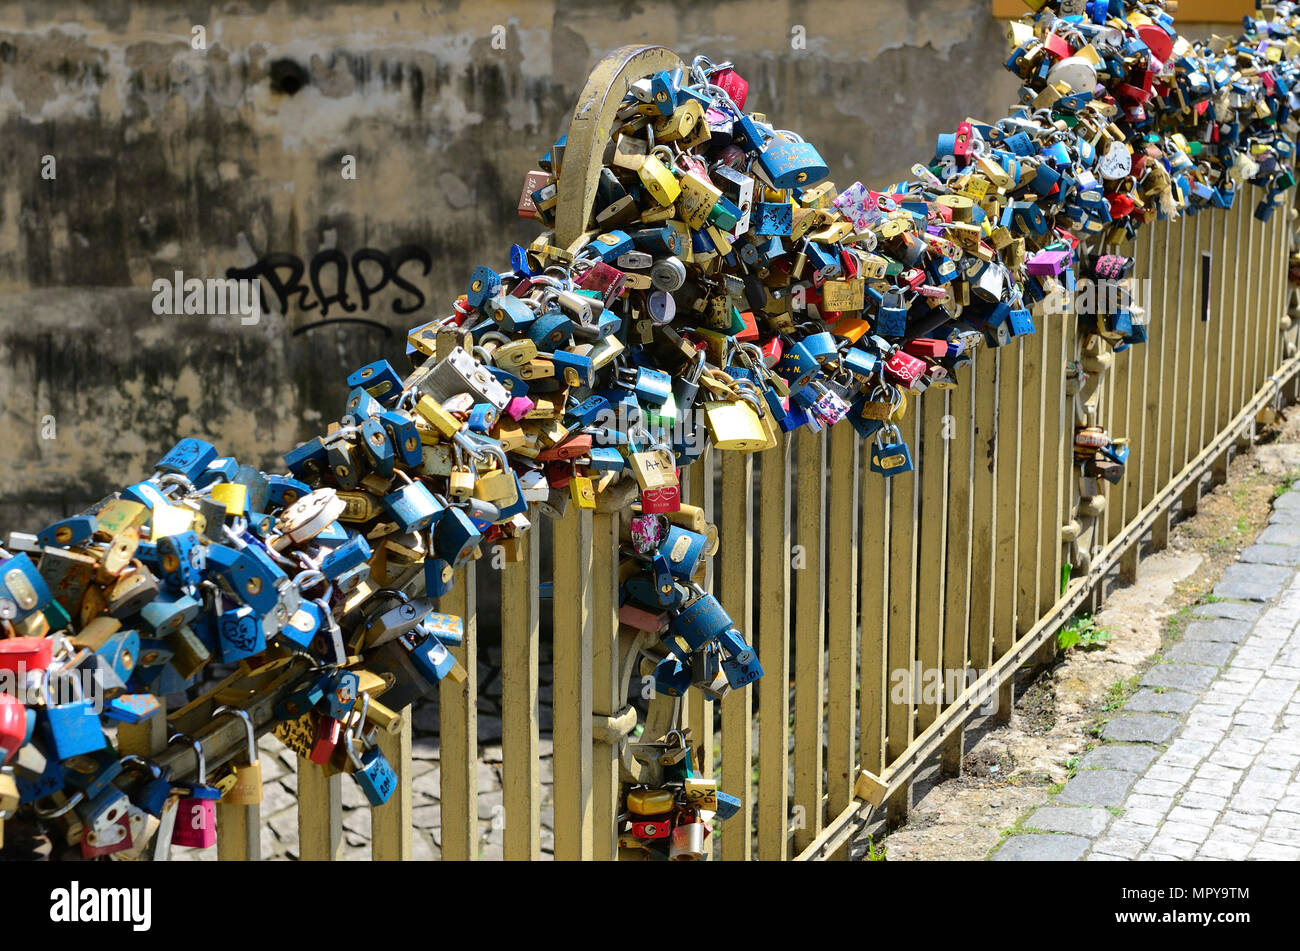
[772, 352]
[328, 731]
[904, 369]
[962, 146]
[605, 278]
[116, 838]
[733, 84]
[927, 347]
[652, 828]
[27, 653]
[661, 501]
[571, 448]
[13, 726]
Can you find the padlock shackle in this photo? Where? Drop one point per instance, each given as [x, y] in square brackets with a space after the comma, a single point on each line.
[224, 711]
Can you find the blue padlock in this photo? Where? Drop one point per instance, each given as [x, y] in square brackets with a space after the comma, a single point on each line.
[68, 531]
[379, 379]
[413, 507]
[187, 458]
[181, 559]
[788, 164]
[700, 621]
[240, 634]
[672, 677]
[892, 457]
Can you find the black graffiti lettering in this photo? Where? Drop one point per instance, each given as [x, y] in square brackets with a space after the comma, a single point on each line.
[283, 273]
[365, 289]
[409, 252]
[340, 296]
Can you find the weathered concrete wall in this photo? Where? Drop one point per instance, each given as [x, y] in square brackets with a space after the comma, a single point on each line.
[169, 158]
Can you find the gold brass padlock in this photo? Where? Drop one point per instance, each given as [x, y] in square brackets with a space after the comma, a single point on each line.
[460, 484]
[650, 802]
[654, 469]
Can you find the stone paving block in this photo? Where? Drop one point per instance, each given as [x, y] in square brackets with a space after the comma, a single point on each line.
[1171, 701]
[1287, 500]
[1103, 857]
[1127, 848]
[1198, 800]
[1210, 653]
[1183, 676]
[1185, 831]
[1138, 801]
[1147, 817]
[1233, 610]
[1130, 759]
[1258, 582]
[1187, 814]
[1170, 774]
[1042, 848]
[1252, 805]
[1272, 852]
[1141, 728]
[1250, 821]
[1079, 820]
[1219, 850]
[1284, 555]
[1169, 845]
[1280, 533]
[1157, 787]
[1222, 630]
[1096, 787]
[1124, 829]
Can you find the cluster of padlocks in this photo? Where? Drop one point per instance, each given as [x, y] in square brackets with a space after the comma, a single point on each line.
[725, 293]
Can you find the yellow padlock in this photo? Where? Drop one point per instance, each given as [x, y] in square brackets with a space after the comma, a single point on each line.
[658, 180]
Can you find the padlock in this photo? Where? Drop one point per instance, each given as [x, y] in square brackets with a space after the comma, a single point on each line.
[892, 457]
[371, 770]
[72, 728]
[247, 790]
[195, 822]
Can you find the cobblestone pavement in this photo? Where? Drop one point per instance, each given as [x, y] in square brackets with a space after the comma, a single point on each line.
[1203, 762]
[279, 804]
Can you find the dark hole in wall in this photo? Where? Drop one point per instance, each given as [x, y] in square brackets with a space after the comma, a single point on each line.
[287, 76]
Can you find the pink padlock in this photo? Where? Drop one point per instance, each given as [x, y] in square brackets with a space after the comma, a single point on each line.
[519, 407]
[196, 814]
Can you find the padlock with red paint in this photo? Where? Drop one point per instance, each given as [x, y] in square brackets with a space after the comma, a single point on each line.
[661, 501]
[904, 369]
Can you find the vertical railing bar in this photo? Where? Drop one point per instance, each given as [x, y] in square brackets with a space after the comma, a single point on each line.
[809, 636]
[458, 727]
[984, 508]
[699, 708]
[572, 685]
[1049, 579]
[957, 565]
[239, 832]
[873, 568]
[900, 718]
[841, 573]
[1030, 494]
[320, 813]
[735, 592]
[773, 642]
[606, 681]
[520, 777]
[1008, 512]
[392, 834]
[932, 471]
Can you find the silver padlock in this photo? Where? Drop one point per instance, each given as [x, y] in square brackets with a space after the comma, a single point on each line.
[687, 843]
[460, 373]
